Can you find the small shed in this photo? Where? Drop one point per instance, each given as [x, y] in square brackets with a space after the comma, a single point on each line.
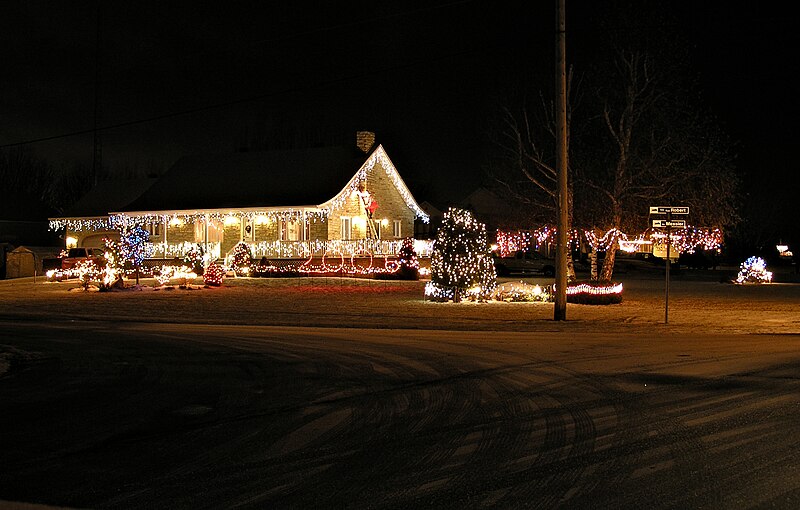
[27, 260]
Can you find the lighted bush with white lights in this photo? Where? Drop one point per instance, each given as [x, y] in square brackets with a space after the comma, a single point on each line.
[242, 259]
[753, 270]
[461, 262]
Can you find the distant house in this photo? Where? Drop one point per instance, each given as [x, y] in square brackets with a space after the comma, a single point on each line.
[427, 229]
[283, 204]
[490, 208]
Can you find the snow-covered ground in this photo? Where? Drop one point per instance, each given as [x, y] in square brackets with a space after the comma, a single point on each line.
[698, 303]
[153, 397]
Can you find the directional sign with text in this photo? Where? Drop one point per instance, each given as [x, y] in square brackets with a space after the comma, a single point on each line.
[669, 223]
[668, 209]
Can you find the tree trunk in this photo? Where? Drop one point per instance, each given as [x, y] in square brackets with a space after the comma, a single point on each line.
[593, 265]
[608, 264]
[456, 295]
[571, 278]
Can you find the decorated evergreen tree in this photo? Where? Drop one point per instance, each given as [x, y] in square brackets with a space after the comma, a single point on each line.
[134, 246]
[407, 260]
[242, 258]
[194, 259]
[461, 262]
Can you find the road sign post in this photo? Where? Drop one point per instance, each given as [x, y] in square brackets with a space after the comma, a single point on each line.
[668, 224]
[666, 284]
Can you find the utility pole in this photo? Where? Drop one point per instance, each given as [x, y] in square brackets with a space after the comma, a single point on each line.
[97, 147]
[562, 235]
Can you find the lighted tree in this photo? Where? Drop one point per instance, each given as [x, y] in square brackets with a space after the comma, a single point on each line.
[241, 258]
[112, 273]
[134, 246]
[407, 261]
[461, 262]
[194, 259]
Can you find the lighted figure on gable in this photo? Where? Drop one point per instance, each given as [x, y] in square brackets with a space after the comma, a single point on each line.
[370, 204]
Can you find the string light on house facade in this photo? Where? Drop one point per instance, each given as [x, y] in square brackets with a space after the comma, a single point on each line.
[378, 157]
[82, 224]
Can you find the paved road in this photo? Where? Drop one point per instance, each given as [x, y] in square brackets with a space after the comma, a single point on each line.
[134, 415]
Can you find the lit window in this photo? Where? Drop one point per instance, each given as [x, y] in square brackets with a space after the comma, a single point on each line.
[347, 228]
[154, 229]
[397, 228]
[199, 231]
[293, 230]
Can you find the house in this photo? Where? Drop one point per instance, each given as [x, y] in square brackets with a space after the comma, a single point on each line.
[283, 204]
[427, 229]
[491, 209]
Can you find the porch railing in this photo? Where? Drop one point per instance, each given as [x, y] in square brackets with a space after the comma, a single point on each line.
[299, 249]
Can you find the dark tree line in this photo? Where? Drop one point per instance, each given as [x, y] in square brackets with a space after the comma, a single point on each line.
[57, 186]
[23, 172]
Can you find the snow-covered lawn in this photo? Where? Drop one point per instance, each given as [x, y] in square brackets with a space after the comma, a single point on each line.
[697, 307]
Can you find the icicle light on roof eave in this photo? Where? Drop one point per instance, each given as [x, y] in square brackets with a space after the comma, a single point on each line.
[186, 216]
[82, 224]
[379, 155]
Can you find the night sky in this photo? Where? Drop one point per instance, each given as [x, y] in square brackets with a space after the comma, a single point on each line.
[179, 78]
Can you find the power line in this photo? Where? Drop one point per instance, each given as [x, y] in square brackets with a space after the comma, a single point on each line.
[96, 129]
[235, 102]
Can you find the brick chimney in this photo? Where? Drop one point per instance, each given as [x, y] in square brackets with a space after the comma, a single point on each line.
[365, 140]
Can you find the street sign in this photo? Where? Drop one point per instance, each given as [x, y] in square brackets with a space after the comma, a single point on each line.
[669, 223]
[668, 209]
[660, 251]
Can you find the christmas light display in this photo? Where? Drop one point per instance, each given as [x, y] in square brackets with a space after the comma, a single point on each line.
[509, 243]
[595, 293]
[241, 258]
[163, 274]
[213, 275]
[683, 240]
[753, 270]
[112, 272]
[461, 263]
[689, 239]
[378, 157]
[82, 224]
[87, 272]
[407, 262]
[521, 292]
[184, 275]
[194, 259]
[609, 240]
[261, 216]
[134, 245]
